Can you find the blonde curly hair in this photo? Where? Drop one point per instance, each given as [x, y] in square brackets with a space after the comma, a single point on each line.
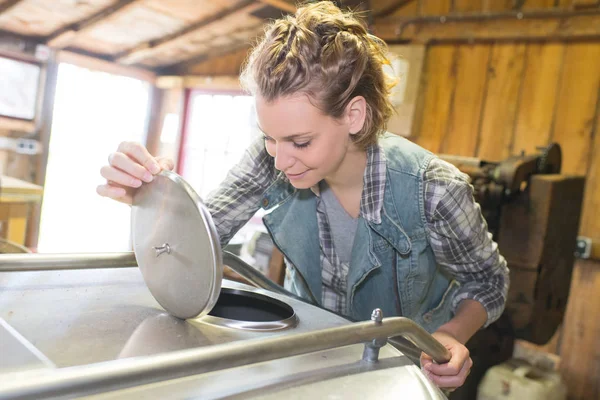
[329, 55]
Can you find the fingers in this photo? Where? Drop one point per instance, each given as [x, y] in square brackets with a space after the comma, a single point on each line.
[123, 163]
[129, 167]
[166, 163]
[122, 178]
[425, 360]
[460, 355]
[114, 192]
[451, 381]
[140, 154]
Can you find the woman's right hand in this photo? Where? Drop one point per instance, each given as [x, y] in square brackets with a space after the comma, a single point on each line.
[127, 169]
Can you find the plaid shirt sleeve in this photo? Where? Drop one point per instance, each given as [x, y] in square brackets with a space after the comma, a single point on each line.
[460, 239]
[239, 196]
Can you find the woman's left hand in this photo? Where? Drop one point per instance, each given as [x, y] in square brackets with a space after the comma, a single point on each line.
[451, 375]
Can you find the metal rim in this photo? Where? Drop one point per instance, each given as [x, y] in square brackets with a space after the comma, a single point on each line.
[214, 248]
[275, 325]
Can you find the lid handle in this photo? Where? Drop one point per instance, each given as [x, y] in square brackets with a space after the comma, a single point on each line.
[165, 248]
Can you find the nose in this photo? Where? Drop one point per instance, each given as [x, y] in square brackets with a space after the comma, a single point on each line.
[283, 160]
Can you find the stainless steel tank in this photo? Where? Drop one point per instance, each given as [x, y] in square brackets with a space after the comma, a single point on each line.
[97, 326]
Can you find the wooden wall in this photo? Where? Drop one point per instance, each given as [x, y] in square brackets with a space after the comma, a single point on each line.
[495, 99]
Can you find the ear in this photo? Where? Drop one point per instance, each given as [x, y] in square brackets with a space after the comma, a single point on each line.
[356, 111]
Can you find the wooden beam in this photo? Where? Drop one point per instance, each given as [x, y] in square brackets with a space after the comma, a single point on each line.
[141, 51]
[44, 120]
[67, 34]
[19, 47]
[106, 66]
[16, 125]
[518, 26]
[229, 83]
[180, 68]
[7, 5]
[390, 8]
[281, 4]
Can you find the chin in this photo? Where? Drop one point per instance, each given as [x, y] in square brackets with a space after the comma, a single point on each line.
[303, 184]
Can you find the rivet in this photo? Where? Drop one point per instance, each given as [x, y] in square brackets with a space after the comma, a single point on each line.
[265, 202]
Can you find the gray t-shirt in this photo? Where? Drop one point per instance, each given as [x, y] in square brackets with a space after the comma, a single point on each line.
[341, 224]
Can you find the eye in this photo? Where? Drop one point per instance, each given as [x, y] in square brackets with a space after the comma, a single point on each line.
[268, 139]
[302, 145]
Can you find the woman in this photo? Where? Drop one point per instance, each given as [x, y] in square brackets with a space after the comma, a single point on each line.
[365, 219]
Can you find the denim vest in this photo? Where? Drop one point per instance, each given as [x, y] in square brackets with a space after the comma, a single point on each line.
[392, 265]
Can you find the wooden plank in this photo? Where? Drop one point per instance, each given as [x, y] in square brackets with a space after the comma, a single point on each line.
[431, 121]
[281, 4]
[580, 347]
[139, 52]
[183, 67]
[16, 125]
[17, 222]
[465, 110]
[228, 64]
[497, 5]
[538, 96]
[590, 223]
[577, 105]
[106, 66]
[219, 83]
[583, 4]
[565, 4]
[502, 27]
[500, 110]
[467, 5]
[537, 4]
[434, 7]
[66, 35]
[386, 8]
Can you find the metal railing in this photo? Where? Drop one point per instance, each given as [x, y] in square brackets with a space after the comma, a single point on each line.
[125, 373]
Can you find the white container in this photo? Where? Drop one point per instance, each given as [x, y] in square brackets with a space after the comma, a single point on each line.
[517, 380]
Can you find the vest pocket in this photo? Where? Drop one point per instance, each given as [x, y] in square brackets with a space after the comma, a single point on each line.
[440, 313]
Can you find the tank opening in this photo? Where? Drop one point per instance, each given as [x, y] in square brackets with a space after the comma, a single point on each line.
[252, 311]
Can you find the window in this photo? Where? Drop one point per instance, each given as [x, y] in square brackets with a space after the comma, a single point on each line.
[219, 130]
[19, 82]
[93, 112]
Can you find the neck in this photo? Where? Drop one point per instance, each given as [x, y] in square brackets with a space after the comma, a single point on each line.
[349, 175]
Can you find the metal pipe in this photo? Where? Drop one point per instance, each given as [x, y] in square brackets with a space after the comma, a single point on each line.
[124, 373]
[250, 273]
[52, 262]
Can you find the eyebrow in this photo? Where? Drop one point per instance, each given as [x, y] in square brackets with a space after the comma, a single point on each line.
[289, 137]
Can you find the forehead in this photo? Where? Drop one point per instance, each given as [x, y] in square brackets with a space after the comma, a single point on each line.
[284, 114]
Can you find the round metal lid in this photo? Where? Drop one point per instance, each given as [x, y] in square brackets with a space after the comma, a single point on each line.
[176, 246]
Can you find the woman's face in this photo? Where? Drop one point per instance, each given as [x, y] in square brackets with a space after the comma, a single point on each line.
[308, 146]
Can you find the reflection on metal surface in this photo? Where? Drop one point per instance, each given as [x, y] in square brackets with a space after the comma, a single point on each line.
[241, 309]
[255, 277]
[161, 334]
[17, 353]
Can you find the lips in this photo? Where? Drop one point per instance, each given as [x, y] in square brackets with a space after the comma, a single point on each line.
[295, 176]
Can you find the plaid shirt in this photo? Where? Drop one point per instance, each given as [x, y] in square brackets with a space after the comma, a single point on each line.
[457, 231]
